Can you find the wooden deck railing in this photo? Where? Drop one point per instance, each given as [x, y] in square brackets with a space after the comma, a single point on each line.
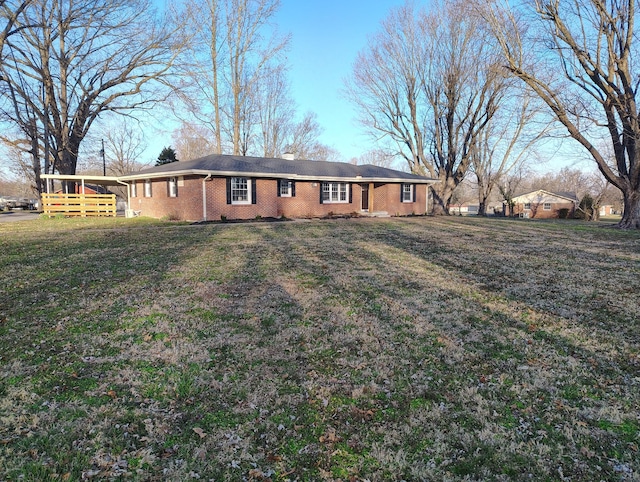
[79, 204]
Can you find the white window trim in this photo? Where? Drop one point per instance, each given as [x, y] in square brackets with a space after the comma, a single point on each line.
[148, 190]
[287, 192]
[546, 207]
[527, 208]
[409, 192]
[337, 189]
[249, 193]
[134, 189]
[173, 187]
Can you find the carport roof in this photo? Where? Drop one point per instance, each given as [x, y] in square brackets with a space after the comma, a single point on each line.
[80, 178]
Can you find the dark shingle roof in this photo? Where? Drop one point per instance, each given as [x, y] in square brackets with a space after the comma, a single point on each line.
[563, 194]
[225, 165]
[568, 195]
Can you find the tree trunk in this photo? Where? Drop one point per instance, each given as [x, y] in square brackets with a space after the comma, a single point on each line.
[482, 208]
[631, 216]
[68, 163]
[441, 200]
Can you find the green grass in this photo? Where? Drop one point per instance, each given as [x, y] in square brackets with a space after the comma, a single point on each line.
[363, 349]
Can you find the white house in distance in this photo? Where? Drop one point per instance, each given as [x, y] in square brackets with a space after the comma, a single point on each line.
[543, 204]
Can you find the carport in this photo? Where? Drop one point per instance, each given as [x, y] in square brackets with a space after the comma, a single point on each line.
[80, 204]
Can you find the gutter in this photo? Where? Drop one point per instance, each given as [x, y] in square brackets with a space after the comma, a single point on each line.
[292, 177]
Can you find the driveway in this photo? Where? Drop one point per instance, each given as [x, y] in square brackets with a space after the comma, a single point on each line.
[11, 216]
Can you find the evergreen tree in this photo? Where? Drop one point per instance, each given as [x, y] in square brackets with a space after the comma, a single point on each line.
[587, 209]
[166, 156]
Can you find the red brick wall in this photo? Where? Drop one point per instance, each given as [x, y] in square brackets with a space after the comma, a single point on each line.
[306, 203]
[387, 198]
[187, 205]
[537, 211]
[217, 201]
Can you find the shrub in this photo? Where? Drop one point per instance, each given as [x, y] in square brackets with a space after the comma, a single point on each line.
[563, 213]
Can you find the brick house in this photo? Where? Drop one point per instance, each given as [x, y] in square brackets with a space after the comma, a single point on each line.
[543, 204]
[236, 187]
[607, 210]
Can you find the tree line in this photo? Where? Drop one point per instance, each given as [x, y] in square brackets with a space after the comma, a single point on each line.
[456, 89]
[469, 88]
[219, 65]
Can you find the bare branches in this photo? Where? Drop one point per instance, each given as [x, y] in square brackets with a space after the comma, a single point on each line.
[10, 11]
[75, 61]
[234, 57]
[507, 142]
[592, 47]
[429, 83]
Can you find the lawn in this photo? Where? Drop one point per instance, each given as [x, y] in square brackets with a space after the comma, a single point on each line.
[361, 349]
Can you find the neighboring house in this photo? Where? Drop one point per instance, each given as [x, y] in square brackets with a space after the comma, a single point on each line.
[543, 204]
[235, 187]
[607, 210]
[88, 189]
[463, 209]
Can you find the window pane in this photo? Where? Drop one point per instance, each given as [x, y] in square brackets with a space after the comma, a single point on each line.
[334, 192]
[406, 192]
[239, 189]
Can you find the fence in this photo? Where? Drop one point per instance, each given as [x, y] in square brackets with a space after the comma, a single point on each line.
[79, 204]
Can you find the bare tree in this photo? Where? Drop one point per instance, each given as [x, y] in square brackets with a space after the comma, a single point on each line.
[9, 13]
[124, 146]
[276, 112]
[508, 187]
[73, 61]
[233, 52]
[429, 83]
[376, 157]
[506, 143]
[193, 141]
[304, 143]
[462, 194]
[577, 56]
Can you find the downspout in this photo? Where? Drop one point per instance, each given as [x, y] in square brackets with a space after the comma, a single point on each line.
[426, 201]
[128, 208]
[204, 197]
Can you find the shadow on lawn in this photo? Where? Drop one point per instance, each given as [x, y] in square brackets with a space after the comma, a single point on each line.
[69, 319]
[335, 349]
[602, 340]
[435, 338]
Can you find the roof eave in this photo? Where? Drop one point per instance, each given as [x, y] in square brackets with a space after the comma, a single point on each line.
[293, 177]
[573, 200]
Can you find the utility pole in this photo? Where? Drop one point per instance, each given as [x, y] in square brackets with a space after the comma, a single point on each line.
[104, 163]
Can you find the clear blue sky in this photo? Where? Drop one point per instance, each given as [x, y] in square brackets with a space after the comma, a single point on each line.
[326, 37]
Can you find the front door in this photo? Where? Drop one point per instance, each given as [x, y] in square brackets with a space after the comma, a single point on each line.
[365, 197]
